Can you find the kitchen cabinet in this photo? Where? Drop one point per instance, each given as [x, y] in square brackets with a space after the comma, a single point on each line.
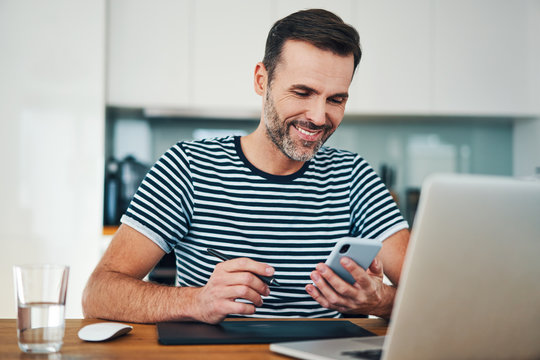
[342, 8]
[394, 74]
[180, 55]
[148, 53]
[527, 131]
[534, 55]
[228, 39]
[420, 57]
[441, 57]
[480, 57]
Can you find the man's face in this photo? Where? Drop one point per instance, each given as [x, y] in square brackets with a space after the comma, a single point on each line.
[306, 100]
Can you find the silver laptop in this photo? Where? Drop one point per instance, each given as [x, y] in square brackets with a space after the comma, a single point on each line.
[470, 287]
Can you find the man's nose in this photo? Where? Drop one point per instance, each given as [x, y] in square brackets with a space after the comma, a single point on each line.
[316, 112]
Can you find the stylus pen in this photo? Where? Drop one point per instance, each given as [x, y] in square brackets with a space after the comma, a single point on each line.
[268, 280]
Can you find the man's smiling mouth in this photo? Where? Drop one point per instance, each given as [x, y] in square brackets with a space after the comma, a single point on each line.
[306, 132]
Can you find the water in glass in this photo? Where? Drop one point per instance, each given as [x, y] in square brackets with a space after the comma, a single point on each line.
[40, 327]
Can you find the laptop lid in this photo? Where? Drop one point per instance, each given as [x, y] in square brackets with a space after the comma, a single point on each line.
[470, 286]
[471, 280]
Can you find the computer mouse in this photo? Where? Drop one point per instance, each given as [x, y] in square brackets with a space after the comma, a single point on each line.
[103, 331]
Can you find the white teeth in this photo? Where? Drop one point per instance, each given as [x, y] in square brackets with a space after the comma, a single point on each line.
[306, 132]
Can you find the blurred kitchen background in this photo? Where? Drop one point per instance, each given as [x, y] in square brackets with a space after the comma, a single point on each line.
[92, 92]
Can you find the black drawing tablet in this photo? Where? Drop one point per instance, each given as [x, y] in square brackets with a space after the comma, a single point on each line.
[255, 331]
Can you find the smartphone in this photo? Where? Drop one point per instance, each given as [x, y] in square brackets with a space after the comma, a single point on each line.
[362, 251]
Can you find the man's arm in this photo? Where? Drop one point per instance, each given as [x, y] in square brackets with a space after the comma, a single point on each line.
[368, 295]
[115, 290]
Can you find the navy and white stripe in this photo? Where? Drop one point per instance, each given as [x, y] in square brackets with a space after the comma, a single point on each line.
[205, 194]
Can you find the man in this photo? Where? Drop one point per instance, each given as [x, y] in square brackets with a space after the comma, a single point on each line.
[275, 199]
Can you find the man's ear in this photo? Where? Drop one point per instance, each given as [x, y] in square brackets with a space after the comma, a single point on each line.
[260, 78]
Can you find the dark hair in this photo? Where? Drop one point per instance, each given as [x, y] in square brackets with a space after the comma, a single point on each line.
[318, 27]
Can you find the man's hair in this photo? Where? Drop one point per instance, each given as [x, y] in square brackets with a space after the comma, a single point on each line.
[319, 27]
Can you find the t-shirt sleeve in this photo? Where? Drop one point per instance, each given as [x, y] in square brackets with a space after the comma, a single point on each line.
[162, 207]
[374, 213]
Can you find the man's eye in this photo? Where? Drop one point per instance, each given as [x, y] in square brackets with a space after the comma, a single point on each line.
[337, 100]
[301, 93]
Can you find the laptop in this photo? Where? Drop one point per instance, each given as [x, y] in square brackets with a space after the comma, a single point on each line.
[470, 286]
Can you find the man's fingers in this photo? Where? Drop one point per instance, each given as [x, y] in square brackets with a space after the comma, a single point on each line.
[376, 267]
[336, 283]
[335, 293]
[234, 288]
[327, 297]
[361, 276]
[249, 265]
[242, 278]
[243, 292]
[322, 280]
[316, 294]
[241, 308]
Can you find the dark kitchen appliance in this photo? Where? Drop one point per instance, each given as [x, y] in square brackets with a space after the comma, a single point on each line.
[122, 179]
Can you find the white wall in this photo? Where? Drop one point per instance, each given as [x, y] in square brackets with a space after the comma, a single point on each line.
[51, 139]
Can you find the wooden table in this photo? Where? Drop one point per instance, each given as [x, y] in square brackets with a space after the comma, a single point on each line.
[141, 343]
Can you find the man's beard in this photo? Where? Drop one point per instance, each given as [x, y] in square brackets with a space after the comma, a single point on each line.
[278, 132]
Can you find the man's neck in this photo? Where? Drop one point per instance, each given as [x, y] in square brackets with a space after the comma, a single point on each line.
[262, 153]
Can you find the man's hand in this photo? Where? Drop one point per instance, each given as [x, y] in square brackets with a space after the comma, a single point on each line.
[232, 280]
[116, 291]
[368, 295]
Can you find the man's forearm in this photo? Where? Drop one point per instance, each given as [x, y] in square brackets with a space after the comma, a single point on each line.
[116, 296]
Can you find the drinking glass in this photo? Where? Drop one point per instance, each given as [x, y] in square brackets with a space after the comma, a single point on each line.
[41, 300]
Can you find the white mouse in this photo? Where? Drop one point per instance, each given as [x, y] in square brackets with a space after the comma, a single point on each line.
[103, 331]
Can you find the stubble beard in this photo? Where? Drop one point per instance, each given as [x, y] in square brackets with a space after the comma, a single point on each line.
[278, 132]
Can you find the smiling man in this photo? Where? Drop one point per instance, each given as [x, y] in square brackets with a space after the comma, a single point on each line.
[277, 200]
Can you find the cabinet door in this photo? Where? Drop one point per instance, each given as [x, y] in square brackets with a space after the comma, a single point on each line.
[393, 75]
[227, 42]
[148, 53]
[480, 57]
[342, 8]
[534, 56]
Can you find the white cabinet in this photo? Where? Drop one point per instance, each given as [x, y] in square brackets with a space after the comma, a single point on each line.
[534, 55]
[342, 8]
[227, 42]
[420, 57]
[444, 57]
[184, 54]
[527, 131]
[480, 57]
[394, 74]
[148, 54]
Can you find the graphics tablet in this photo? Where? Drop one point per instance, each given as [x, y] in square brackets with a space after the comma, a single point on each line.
[255, 331]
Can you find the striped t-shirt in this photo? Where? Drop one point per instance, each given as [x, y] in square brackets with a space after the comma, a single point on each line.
[206, 194]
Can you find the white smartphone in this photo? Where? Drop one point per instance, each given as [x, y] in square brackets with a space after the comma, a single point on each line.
[362, 251]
